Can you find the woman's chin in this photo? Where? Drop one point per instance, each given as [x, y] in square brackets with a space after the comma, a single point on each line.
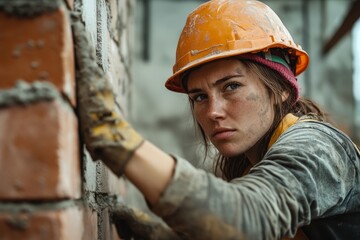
[228, 153]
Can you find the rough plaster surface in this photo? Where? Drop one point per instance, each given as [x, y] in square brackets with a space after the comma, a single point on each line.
[88, 15]
[33, 207]
[24, 93]
[102, 35]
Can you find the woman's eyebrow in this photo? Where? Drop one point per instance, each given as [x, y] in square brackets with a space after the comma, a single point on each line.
[216, 83]
[195, 90]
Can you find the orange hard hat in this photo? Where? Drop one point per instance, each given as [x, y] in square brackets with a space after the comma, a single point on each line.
[224, 28]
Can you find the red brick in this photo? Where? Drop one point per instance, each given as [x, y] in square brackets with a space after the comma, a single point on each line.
[58, 224]
[38, 48]
[39, 152]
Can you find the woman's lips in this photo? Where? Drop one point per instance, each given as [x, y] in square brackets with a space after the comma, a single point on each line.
[222, 134]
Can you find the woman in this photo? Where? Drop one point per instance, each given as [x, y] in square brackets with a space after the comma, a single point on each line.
[282, 166]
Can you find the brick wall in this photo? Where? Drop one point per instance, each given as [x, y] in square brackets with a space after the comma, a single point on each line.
[49, 186]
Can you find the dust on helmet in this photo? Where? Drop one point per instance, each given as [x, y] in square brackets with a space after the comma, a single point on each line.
[224, 28]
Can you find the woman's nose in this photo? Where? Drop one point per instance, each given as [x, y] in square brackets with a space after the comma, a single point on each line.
[216, 109]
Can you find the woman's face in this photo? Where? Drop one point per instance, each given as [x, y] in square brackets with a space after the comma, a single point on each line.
[232, 106]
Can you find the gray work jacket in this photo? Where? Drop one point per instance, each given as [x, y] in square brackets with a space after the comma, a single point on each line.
[312, 171]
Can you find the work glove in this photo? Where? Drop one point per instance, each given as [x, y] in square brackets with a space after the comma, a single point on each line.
[137, 225]
[107, 135]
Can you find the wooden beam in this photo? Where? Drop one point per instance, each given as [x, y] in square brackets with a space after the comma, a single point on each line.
[347, 24]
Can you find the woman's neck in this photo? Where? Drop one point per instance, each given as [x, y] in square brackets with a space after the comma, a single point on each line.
[253, 153]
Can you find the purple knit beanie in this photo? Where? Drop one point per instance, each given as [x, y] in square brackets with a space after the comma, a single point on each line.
[282, 69]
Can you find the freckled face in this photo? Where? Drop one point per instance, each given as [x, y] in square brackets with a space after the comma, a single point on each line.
[231, 104]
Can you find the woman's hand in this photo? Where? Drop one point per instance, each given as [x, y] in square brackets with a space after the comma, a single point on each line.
[135, 224]
[107, 135]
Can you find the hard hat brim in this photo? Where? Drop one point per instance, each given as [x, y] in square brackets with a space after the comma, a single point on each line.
[174, 82]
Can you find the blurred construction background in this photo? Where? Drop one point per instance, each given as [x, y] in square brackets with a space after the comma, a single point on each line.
[49, 186]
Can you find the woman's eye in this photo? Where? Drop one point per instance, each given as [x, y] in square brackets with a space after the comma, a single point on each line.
[232, 86]
[198, 97]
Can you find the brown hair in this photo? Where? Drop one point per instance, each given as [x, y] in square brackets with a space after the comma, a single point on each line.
[275, 84]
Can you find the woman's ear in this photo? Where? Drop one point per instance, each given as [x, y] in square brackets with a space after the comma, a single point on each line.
[284, 96]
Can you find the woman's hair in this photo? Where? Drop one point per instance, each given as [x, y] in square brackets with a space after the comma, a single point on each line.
[232, 167]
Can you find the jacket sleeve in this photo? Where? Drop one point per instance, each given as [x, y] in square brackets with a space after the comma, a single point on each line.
[306, 174]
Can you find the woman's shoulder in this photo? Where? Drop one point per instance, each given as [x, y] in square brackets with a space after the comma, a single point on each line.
[309, 133]
[319, 128]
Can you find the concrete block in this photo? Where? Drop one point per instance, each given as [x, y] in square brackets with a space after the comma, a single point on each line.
[89, 172]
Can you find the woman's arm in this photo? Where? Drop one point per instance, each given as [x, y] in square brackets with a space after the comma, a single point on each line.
[150, 170]
[306, 174]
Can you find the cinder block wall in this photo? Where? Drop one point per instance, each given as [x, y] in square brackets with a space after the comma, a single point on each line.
[49, 186]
